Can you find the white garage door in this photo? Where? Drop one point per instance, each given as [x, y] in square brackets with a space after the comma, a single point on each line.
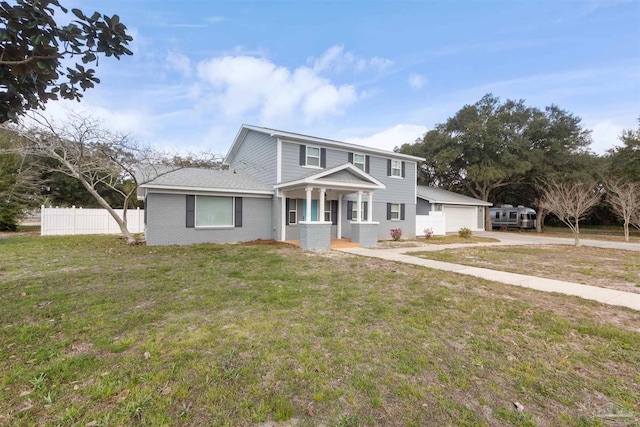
[457, 217]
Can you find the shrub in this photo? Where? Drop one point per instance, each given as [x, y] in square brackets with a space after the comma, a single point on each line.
[465, 232]
[396, 234]
[428, 233]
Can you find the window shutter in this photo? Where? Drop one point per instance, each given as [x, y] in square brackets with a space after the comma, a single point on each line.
[388, 211]
[367, 164]
[402, 211]
[388, 167]
[349, 210]
[351, 158]
[286, 213]
[403, 168]
[191, 211]
[238, 213]
[364, 210]
[334, 212]
[323, 157]
[303, 155]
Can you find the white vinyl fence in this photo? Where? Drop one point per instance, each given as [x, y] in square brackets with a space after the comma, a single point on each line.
[435, 221]
[64, 221]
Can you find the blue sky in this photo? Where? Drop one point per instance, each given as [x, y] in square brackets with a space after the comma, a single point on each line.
[378, 73]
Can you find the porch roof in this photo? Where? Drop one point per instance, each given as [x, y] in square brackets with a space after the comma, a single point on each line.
[345, 176]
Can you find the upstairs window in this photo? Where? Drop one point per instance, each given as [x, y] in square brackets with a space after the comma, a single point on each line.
[396, 168]
[313, 156]
[359, 161]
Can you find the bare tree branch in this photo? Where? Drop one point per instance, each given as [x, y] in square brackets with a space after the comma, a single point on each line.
[570, 202]
[624, 199]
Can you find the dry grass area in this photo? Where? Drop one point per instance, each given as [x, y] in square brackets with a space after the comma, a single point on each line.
[607, 268]
[95, 333]
[435, 240]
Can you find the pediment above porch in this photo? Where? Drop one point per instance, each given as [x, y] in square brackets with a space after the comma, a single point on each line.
[346, 177]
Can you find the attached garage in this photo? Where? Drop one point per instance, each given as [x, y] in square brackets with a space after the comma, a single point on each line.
[458, 211]
[457, 217]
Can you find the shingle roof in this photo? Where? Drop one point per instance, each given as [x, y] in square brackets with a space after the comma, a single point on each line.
[439, 195]
[208, 179]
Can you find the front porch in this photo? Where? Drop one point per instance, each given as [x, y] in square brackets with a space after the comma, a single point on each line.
[335, 243]
[315, 214]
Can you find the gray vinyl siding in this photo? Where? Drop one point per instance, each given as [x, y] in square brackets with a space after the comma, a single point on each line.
[398, 190]
[423, 207]
[166, 222]
[257, 157]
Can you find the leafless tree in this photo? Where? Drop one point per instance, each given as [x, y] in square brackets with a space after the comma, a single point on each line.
[624, 198]
[97, 157]
[570, 202]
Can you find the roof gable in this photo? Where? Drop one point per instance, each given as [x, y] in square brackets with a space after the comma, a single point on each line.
[345, 175]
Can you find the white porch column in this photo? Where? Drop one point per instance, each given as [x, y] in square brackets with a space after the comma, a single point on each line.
[308, 190]
[283, 222]
[321, 202]
[359, 207]
[370, 207]
[339, 224]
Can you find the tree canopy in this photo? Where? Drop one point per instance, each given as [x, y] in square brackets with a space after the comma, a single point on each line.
[33, 46]
[624, 161]
[492, 144]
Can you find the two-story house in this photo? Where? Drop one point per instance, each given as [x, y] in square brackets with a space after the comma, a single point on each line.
[286, 186]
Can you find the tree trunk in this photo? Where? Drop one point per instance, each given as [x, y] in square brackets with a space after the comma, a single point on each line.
[576, 234]
[626, 231]
[541, 215]
[487, 219]
[122, 223]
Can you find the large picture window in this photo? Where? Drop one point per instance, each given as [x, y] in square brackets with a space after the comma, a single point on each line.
[214, 211]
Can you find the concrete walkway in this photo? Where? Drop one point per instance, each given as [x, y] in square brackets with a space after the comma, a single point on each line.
[607, 296]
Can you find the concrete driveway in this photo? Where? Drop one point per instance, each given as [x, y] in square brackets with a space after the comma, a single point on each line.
[607, 296]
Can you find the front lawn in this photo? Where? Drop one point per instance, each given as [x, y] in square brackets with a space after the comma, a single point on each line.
[607, 268]
[95, 333]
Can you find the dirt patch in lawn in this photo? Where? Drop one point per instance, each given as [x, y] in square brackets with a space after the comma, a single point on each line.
[606, 268]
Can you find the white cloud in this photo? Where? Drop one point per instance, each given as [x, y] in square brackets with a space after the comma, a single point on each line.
[416, 81]
[392, 137]
[179, 62]
[216, 19]
[605, 135]
[335, 59]
[239, 85]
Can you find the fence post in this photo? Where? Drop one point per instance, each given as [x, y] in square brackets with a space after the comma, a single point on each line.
[73, 220]
[42, 215]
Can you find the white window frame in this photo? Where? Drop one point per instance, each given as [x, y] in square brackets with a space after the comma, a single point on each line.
[294, 211]
[396, 212]
[396, 168]
[327, 210]
[233, 219]
[357, 163]
[354, 211]
[308, 156]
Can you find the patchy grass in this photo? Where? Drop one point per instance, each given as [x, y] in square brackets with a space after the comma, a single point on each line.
[606, 233]
[434, 240]
[607, 268]
[97, 333]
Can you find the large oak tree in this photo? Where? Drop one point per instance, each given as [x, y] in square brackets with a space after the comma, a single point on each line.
[492, 144]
